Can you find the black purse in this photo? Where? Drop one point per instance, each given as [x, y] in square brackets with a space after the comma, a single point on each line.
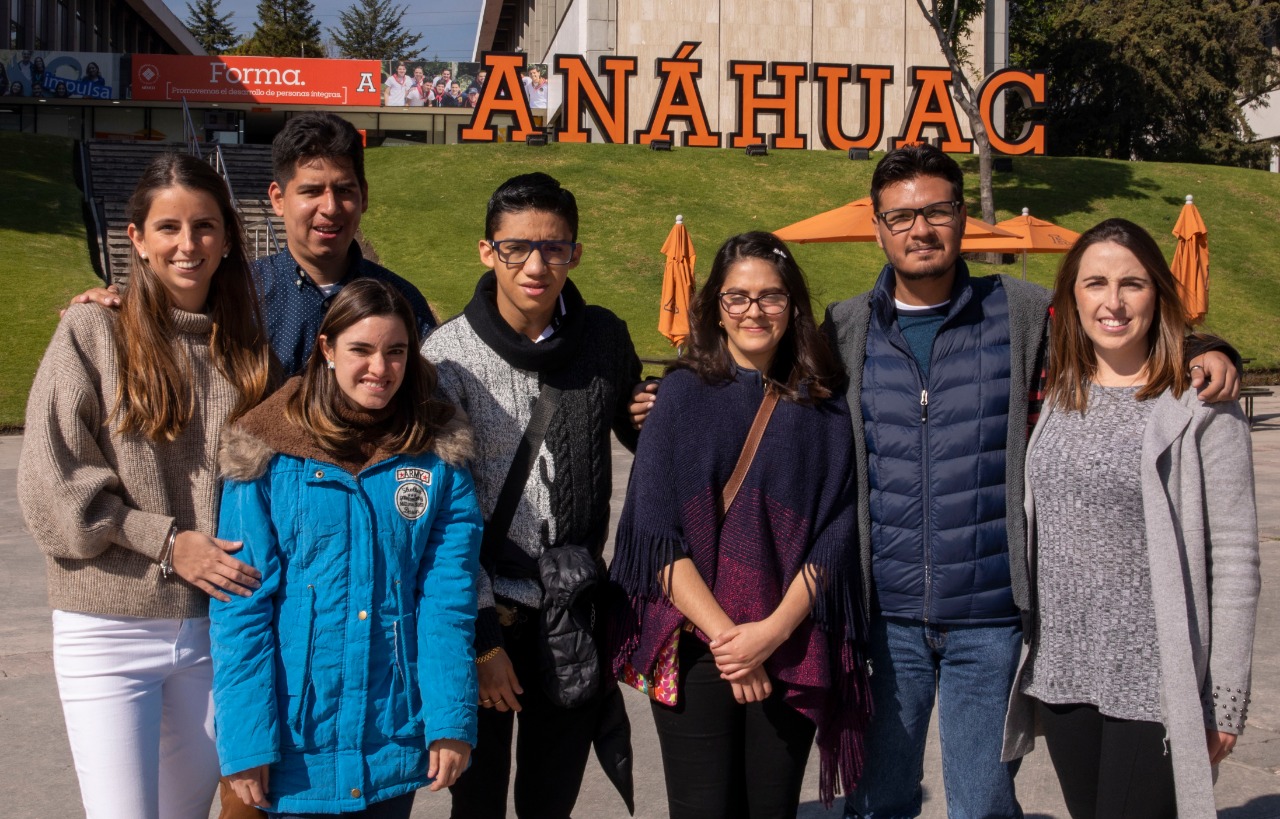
[569, 660]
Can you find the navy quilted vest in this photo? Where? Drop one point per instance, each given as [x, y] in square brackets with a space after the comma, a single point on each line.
[936, 460]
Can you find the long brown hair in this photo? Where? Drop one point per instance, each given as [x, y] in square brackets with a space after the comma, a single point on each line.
[803, 359]
[1072, 363]
[155, 397]
[418, 414]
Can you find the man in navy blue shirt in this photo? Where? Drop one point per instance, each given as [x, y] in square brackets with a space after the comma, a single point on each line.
[320, 191]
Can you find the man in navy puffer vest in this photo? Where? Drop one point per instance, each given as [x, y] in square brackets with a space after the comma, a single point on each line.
[949, 363]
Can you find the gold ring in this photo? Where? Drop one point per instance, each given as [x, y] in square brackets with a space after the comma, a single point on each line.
[486, 701]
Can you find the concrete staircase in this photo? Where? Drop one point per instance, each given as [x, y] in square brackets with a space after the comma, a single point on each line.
[112, 171]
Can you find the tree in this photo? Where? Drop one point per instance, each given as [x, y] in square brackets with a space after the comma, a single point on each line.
[285, 28]
[951, 21]
[1158, 81]
[374, 30]
[211, 29]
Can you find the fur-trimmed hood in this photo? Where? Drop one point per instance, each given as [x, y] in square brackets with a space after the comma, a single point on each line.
[246, 447]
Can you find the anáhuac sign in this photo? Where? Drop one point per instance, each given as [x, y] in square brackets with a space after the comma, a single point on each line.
[679, 100]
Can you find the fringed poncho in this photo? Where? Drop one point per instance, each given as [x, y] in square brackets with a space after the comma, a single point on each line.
[796, 507]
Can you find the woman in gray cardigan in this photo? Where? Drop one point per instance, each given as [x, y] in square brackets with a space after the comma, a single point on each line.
[1144, 547]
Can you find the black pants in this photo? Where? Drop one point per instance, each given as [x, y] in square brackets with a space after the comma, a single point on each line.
[1109, 767]
[723, 759]
[552, 745]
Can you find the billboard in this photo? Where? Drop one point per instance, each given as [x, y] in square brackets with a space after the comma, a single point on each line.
[278, 80]
[60, 74]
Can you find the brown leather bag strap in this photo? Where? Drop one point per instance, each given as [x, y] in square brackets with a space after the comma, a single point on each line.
[748, 450]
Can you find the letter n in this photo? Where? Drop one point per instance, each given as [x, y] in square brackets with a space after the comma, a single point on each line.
[931, 104]
[751, 103]
[503, 91]
[609, 113]
[679, 99]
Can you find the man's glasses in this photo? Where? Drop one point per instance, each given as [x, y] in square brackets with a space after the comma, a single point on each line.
[771, 304]
[937, 214]
[518, 251]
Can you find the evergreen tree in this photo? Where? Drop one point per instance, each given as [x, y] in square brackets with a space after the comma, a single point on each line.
[374, 30]
[213, 30]
[285, 28]
[1158, 81]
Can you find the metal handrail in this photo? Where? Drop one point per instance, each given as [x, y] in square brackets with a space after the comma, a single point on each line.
[94, 204]
[189, 135]
[219, 163]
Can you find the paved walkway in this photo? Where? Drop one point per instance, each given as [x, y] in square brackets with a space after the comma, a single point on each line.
[37, 779]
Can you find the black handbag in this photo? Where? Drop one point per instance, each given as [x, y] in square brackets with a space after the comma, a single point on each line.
[569, 660]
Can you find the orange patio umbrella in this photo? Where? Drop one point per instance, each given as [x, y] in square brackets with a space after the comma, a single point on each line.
[677, 284]
[853, 222]
[1191, 262]
[1032, 235]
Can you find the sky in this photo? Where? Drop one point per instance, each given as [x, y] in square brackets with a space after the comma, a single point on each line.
[448, 27]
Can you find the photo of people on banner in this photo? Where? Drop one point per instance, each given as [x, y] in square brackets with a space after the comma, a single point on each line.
[439, 84]
[59, 74]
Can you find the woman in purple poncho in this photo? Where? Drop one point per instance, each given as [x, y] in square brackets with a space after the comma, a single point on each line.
[764, 598]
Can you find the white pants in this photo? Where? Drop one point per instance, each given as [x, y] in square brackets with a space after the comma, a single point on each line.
[137, 695]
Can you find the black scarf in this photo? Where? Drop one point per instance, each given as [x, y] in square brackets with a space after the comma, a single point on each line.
[517, 349]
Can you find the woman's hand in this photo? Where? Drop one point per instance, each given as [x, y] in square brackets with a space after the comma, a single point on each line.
[754, 686]
[498, 683]
[204, 562]
[251, 786]
[1221, 744]
[447, 760]
[740, 649]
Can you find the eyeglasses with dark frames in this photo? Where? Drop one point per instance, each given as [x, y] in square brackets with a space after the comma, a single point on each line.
[771, 304]
[518, 251]
[938, 214]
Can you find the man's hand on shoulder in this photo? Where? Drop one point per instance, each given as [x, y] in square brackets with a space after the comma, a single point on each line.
[643, 398]
[1215, 378]
[106, 296]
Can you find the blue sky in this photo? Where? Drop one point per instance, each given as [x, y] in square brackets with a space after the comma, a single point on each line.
[448, 27]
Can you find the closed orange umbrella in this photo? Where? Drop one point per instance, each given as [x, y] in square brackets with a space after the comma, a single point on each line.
[1031, 235]
[677, 284]
[1191, 262]
[854, 222]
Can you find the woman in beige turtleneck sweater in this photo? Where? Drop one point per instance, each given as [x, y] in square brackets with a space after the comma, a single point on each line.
[118, 486]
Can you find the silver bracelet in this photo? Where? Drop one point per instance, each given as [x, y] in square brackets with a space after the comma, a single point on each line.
[166, 554]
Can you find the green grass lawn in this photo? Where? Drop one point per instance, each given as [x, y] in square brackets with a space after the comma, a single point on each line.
[44, 258]
[427, 214]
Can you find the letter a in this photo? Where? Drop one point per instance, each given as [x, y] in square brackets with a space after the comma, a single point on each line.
[680, 99]
[931, 105]
[366, 82]
[503, 91]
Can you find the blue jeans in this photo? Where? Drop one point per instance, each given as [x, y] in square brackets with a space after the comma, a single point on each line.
[970, 669]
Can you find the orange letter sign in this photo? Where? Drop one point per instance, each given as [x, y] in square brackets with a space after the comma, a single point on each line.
[609, 114]
[831, 78]
[502, 92]
[679, 99]
[1029, 86]
[751, 103]
[932, 105]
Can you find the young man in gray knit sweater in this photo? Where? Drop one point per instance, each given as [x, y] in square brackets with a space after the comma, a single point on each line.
[526, 325]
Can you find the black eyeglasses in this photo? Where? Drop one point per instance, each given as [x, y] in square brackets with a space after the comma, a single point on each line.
[771, 304]
[937, 214]
[518, 251]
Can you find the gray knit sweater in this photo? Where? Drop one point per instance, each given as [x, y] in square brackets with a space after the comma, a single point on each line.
[99, 504]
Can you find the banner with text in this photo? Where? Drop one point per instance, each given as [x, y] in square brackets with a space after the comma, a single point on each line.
[280, 80]
[60, 74]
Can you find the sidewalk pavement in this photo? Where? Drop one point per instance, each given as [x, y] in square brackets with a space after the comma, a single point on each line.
[37, 779]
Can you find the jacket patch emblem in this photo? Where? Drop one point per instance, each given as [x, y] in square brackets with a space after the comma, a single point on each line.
[411, 500]
[414, 473]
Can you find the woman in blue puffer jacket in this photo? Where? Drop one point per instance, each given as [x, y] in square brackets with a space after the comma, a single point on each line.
[347, 681]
